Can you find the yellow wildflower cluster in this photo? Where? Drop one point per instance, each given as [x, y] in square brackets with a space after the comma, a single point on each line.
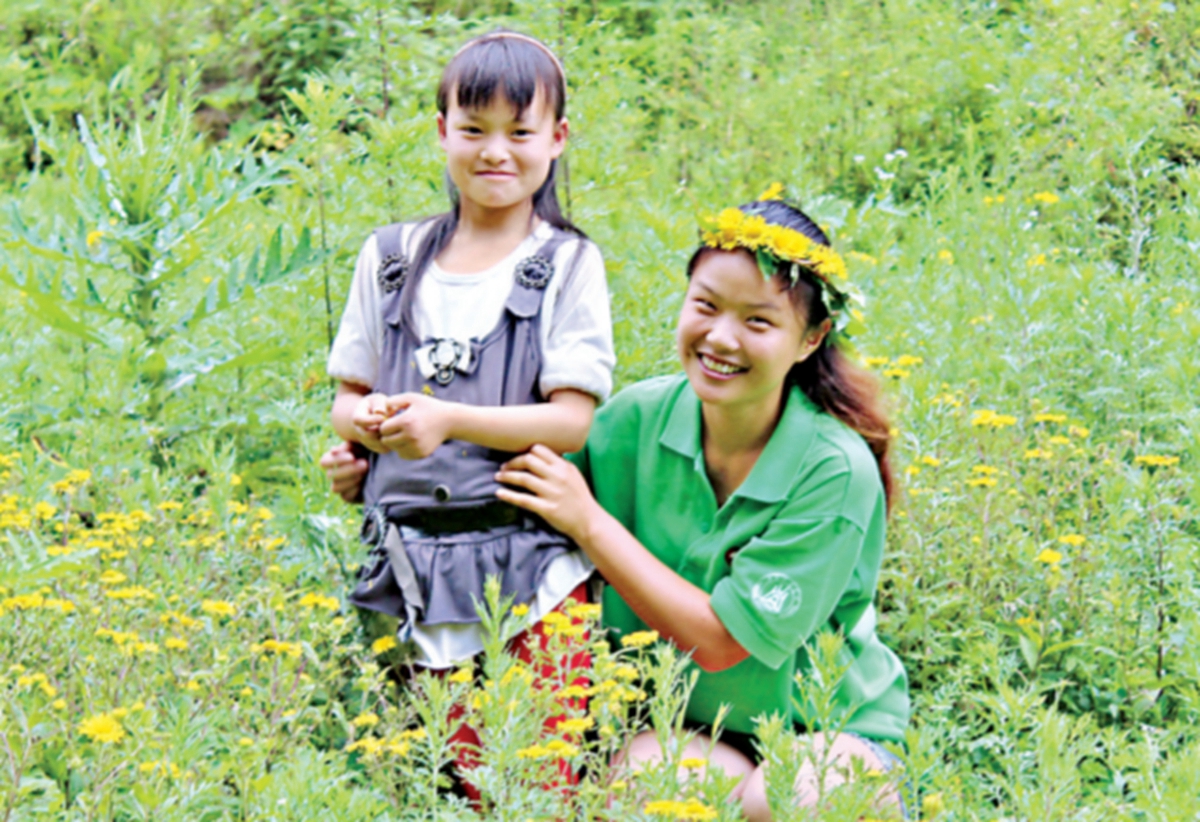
[219, 608]
[40, 681]
[383, 645]
[1155, 461]
[71, 483]
[555, 748]
[987, 418]
[275, 647]
[639, 639]
[675, 809]
[733, 228]
[313, 601]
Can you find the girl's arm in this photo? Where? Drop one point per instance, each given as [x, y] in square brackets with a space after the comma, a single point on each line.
[665, 601]
[419, 424]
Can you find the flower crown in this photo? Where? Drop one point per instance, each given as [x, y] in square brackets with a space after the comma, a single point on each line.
[776, 245]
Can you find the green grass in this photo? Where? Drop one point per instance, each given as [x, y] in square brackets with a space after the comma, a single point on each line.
[1013, 184]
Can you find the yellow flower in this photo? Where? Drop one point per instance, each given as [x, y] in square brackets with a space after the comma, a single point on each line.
[946, 256]
[111, 577]
[319, 601]
[908, 361]
[217, 607]
[1038, 454]
[44, 510]
[1073, 540]
[175, 643]
[246, 742]
[1078, 431]
[383, 645]
[985, 470]
[1048, 556]
[1155, 460]
[367, 720]
[1037, 260]
[59, 704]
[895, 373]
[235, 479]
[462, 676]
[93, 238]
[584, 611]
[278, 648]
[575, 726]
[932, 805]
[520, 610]
[692, 763]
[169, 505]
[102, 728]
[1046, 197]
[1050, 418]
[991, 419]
[1058, 440]
[773, 192]
[573, 692]
[369, 746]
[932, 462]
[872, 362]
[981, 482]
[639, 639]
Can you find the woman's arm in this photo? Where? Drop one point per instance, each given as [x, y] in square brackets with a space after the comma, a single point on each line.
[665, 601]
[419, 424]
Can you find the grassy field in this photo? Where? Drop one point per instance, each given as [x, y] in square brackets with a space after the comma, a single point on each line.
[185, 187]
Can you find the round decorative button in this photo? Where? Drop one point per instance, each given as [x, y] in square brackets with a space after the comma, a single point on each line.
[442, 493]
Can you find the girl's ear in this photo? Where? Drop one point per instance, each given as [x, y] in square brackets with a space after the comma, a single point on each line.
[562, 130]
[812, 339]
[441, 127]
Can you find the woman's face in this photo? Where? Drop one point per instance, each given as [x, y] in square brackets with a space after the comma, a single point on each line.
[739, 333]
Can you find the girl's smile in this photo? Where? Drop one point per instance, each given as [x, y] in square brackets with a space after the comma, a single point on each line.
[498, 157]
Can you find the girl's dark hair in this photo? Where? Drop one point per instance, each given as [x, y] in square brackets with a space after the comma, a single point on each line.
[516, 67]
[834, 382]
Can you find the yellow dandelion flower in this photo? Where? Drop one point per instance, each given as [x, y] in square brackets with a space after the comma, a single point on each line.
[104, 728]
[1155, 460]
[693, 763]
[217, 607]
[59, 704]
[1078, 431]
[946, 256]
[174, 643]
[874, 362]
[985, 470]
[1038, 454]
[1048, 556]
[1037, 260]
[367, 720]
[639, 639]
[245, 742]
[575, 726]
[462, 676]
[932, 462]
[1050, 418]
[1046, 197]
[1073, 540]
[773, 192]
[1058, 440]
[313, 601]
[587, 611]
[111, 577]
[383, 645]
[520, 610]
[982, 482]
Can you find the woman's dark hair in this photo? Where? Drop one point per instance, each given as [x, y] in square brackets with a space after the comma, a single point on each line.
[828, 377]
[515, 66]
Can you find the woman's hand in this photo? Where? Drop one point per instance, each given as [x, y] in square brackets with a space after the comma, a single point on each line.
[369, 414]
[346, 471]
[417, 426]
[556, 491]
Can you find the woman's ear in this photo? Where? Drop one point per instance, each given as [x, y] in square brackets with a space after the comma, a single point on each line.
[812, 339]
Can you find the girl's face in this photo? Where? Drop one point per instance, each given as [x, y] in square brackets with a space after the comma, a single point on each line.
[496, 157]
[739, 333]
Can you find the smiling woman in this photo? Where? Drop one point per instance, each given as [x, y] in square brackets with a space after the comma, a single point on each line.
[739, 509]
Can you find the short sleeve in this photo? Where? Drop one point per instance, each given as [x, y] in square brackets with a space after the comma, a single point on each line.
[786, 583]
[356, 349]
[577, 343]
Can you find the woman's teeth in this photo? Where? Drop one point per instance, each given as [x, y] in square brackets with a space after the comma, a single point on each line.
[718, 366]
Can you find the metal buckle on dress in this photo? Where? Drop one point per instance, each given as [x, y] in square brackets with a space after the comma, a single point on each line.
[445, 356]
[534, 272]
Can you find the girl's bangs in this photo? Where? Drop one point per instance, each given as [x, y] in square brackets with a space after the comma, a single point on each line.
[513, 67]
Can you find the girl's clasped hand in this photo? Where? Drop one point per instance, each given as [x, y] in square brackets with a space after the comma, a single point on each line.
[413, 425]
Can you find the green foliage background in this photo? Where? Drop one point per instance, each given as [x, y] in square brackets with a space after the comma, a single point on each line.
[1014, 183]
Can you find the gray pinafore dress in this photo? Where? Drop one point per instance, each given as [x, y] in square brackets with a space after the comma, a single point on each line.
[434, 526]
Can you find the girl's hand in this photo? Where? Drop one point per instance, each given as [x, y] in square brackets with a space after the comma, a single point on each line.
[418, 425]
[346, 472]
[557, 492]
[370, 413]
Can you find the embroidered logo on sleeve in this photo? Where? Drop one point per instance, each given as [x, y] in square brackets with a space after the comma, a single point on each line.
[777, 594]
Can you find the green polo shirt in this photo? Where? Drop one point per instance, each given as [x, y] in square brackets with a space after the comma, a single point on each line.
[796, 548]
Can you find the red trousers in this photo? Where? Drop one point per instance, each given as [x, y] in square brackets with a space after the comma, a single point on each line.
[572, 672]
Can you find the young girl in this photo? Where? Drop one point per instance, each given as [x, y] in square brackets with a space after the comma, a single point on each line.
[740, 507]
[468, 337]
